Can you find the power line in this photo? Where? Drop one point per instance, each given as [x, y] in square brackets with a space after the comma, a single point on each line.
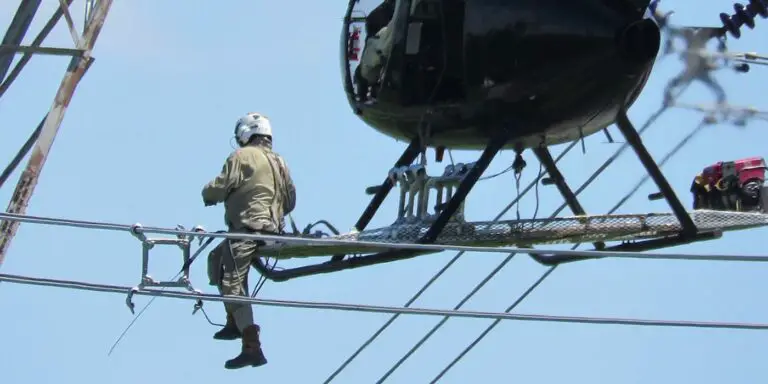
[596, 174]
[602, 168]
[551, 269]
[440, 272]
[430, 247]
[479, 286]
[83, 286]
[495, 323]
[663, 161]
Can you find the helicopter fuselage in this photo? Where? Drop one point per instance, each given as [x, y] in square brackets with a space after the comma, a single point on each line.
[460, 72]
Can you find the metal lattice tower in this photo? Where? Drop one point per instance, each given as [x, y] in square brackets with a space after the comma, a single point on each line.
[42, 138]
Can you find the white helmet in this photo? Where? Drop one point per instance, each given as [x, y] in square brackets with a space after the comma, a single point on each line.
[252, 124]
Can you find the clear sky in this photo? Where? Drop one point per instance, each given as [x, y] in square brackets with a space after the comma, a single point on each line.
[151, 123]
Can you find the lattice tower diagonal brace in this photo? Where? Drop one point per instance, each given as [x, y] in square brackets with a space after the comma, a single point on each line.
[29, 178]
[16, 31]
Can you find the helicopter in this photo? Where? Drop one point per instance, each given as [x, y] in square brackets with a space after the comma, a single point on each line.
[490, 75]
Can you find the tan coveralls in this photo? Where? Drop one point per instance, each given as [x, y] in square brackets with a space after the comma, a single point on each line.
[246, 186]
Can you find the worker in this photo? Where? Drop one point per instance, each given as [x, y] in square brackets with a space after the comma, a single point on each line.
[379, 17]
[715, 196]
[730, 192]
[257, 191]
[700, 191]
[378, 41]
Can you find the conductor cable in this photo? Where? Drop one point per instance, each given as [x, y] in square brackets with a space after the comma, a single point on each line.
[497, 218]
[479, 286]
[83, 286]
[439, 273]
[621, 202]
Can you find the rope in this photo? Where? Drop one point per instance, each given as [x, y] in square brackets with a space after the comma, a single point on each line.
[83, 286]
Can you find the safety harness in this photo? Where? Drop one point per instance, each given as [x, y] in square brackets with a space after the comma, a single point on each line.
[284, 188]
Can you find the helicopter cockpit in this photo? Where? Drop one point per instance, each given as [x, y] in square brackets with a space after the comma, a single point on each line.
[397, 50]
[376, 48]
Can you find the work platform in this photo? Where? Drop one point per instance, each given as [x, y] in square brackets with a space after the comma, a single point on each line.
[565, 230]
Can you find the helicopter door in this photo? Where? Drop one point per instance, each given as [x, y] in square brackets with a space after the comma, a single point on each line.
[432, 67]
[369, 42]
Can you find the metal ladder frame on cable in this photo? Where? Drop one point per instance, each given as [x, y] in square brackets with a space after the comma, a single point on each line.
[183, 242]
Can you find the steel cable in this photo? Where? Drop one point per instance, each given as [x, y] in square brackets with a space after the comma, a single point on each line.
[107, 288]
[438, 247]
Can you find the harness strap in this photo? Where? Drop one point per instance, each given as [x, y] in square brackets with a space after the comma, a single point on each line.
[272, 208]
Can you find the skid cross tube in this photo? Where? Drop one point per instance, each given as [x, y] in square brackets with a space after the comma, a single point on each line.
[545, 158]
[634, 246]
[469, 181]
[633, 138]
[337, 266]
[409, 155]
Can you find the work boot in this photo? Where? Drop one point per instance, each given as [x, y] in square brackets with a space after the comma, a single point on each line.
[229, 332]
[251, 353]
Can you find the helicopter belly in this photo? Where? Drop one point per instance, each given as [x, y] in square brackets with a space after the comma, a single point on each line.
[553, 70]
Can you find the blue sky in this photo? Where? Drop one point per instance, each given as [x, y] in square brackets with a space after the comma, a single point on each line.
[151, 123]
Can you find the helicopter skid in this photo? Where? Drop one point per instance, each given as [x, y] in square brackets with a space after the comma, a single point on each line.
[566, 230]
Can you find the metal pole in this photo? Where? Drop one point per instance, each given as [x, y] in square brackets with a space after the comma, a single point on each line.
[29, 178]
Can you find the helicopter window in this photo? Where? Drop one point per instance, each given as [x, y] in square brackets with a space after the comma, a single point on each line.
[376, 43]
[375, 52]
[429, 67]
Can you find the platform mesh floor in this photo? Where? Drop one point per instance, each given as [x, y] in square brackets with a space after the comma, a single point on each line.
[576, 229]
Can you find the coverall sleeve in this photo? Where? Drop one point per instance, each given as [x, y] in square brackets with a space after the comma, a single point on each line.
[217, 190]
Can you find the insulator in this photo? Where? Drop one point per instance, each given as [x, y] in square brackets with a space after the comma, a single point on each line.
[744, 16]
